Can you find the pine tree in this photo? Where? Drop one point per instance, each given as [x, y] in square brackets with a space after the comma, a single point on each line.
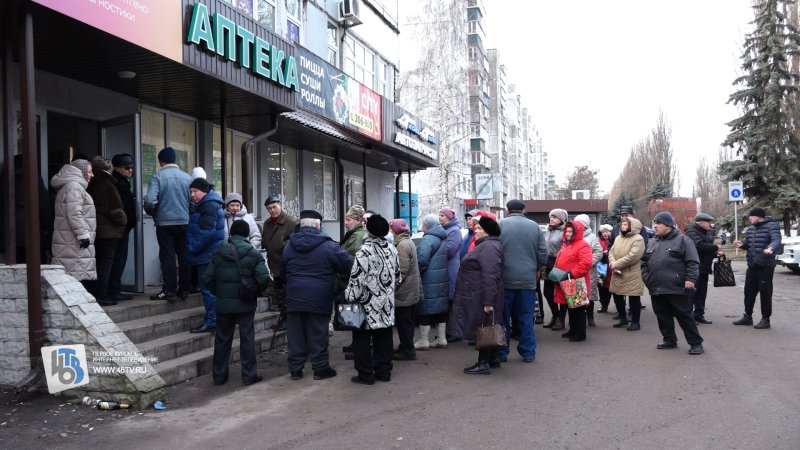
[622, 200]
[764, 136]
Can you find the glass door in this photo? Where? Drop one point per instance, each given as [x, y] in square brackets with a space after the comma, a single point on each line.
[122, 135]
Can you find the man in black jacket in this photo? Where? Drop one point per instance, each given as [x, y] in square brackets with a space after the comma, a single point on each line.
[670, 268]
[762, 241]
[122, 173]
[706, 250]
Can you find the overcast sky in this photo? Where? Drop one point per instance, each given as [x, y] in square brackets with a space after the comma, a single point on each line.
[594, 75]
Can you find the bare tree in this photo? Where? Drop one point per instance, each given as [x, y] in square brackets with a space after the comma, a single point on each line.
[711, 188]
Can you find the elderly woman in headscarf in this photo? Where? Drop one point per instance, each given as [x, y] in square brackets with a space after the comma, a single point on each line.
[479, 291]
[75, 221]
[235, 210]
[373, 281]
[597, 255]
[553, 236]
[407, 294]
[432, 260]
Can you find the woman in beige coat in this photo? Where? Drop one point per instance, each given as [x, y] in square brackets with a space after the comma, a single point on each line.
[624, 260]
[76, 221]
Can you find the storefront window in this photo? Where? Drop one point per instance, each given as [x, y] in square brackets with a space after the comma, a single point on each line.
[183, 138]
[233, 161]
[161, 130]
[325, 182]
[153, 139]
[278, 175]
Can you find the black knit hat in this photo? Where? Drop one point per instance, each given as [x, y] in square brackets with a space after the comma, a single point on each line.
[666, 218]
[758, 212]
[490, 226]
[377, 225]
[240, 228]
[167, 155]
[201, 184]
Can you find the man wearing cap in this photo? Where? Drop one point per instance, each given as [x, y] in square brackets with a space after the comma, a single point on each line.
[204, 235]
[122, 174]
[277, 229]
[670, 267]
[762, 241]
[352, 241]
[524, 245]
[167, 200]
[703, 240]
[310, 262]
[626, 211]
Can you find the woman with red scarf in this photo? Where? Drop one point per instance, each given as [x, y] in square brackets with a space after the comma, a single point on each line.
[575, 257]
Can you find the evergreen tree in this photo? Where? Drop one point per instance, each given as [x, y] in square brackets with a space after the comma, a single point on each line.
[660, 190]
[763, 136]
[622, 200]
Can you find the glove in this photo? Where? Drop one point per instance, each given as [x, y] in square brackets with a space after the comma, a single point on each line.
[84, 243]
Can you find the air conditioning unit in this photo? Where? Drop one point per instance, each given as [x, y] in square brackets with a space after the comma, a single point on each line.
[348, 12]
[581, 194]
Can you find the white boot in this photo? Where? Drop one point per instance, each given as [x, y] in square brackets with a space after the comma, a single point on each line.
[422, 343]
[441, 338]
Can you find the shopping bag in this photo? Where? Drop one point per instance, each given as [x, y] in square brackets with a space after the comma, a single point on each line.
[491, 336]
[723, 272]
[575, 291]
[349, 317]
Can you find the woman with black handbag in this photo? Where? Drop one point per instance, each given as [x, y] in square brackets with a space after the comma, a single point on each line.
[479, 292]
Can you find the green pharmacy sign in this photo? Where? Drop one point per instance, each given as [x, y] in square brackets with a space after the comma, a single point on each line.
[222, 36]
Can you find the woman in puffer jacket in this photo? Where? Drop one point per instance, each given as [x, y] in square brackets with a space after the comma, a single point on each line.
[235, 210]
[76, 221]
[432, 259]
[624, 260]
[574, 257]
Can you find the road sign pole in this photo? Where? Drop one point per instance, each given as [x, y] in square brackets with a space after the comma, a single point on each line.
[736, 224]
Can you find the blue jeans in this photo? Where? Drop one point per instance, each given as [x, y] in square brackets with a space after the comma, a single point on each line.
[519, 303]
[209, 300]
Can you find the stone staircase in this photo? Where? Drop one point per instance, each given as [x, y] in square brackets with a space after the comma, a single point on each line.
[160, 329]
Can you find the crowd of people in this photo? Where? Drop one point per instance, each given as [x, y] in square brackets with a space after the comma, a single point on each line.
[442, 287]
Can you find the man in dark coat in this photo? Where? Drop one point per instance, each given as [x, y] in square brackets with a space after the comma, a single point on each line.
[222, 278]
[762, 241]
[670, 267]
[311, 260]
[706, 250]
[204, 235]
[122, 174]
[278, 227]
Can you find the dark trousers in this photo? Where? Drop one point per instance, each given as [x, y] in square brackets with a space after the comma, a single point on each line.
[678, 307]
[491, 355]
[378, 362]
[698, 295]
[104, 253]
[171, 245]
[226, 323]
[405, 321]
[577, 322]
[758, 280]
[635, 303]
[605, 297]
[307, 338]
[118, 267]
[590, 310]
[550, 295]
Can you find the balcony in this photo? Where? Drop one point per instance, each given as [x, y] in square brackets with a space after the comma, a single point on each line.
[481, 159]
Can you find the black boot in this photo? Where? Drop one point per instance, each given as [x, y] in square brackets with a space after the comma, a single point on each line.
[480, 368]
[746, 319]
[623, 322]
[764, 324]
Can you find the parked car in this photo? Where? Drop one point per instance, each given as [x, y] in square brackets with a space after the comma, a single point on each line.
[790, 258]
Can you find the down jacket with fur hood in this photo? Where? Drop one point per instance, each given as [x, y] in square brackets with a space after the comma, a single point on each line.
[625, 255]
[76, 219]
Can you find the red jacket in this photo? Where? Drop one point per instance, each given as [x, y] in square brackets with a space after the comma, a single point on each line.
[574, 257]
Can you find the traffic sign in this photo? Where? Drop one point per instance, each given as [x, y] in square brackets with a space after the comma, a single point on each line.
[735, 191]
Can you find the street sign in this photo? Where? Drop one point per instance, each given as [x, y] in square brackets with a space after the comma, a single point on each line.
[735, 191]
[483, 186]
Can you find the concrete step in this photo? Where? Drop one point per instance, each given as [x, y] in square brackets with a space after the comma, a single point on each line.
[180, 344]
[199, 363]
[141, 306]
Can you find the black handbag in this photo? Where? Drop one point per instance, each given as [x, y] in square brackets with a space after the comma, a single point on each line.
[723, 273]
[249, 289]
[488, 337]
[349, 317]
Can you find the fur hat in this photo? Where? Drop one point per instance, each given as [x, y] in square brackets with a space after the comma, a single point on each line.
[240, 228]
[83, 165]
[758, 212]
[398, 226]
[167, 155]
[560, 214]
[447, 212]
[356, 212]
[233, 197]
[122, 160]
[199, 172]
[201, 184]
[585, 220]
[489, 225]
[515, 205]
[606, 227]
[377, 226]
[666, 218]
[428, 221]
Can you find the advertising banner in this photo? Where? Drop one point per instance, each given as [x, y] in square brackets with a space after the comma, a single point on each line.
[326, 91]
[152, 24]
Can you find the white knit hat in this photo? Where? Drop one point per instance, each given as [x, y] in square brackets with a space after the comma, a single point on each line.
[198, 172]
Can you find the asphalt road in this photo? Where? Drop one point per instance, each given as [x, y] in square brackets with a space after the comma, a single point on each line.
[616, 390]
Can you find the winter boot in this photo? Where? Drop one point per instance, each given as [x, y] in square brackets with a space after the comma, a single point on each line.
[481, 368]
[763, 325]
[440, 341]
[746, 319]
[559, 325]
[423, 344]
[623, 322]
[552, 322]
